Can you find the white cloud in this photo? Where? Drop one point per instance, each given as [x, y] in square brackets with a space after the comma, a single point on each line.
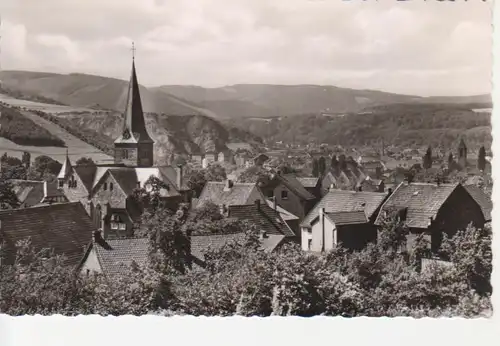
[356, 44]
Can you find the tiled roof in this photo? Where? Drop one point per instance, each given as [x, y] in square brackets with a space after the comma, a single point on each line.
[422, 200]
[263, 216]
[116, 255]
[66, 228]
[285, 214]
[216, 192]
[86, 174]
[126, 178]
[482, 199]
[290, 181]
[348, 217]
[271, 241]
[200, 244]
[342, 201]
[308, 182]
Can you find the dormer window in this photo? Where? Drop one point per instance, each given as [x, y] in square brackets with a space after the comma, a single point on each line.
[117, 223]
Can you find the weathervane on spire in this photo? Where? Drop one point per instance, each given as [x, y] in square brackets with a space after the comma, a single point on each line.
[133, 51]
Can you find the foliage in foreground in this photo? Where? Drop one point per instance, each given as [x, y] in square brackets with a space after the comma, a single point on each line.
[240, 279]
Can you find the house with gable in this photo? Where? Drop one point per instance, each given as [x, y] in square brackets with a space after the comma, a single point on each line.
[114, 256]
[106, 190]
[290, 194]
[432, 209]
[311, 184]
[342, 217]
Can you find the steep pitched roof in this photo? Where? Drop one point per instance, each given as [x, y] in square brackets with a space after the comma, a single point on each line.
[171, 174]
[262, 216]
[116, 255]
[87, 174]
[65, 169]
[422, 200]
[217, 193]
[285, 214]
[134, 125]
[482, 199]
[346, 201]
[291, 181]
[308, 182]
[66, 228]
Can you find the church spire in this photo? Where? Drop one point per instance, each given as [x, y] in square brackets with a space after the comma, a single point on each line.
[134, 127]
[134, 147]
[66, 167]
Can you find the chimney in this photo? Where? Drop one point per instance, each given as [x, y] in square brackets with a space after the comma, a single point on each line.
[96, 236]
[360, 188]
[257, 203]
[263, 234]
[322, 225]
[179, 176]
[229, 185]
[275, 207]
[44, 189]
[389, 191]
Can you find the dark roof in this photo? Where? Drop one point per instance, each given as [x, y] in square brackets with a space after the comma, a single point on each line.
[264, 217]
[291, 181]
[200, 244]
[116, 255]
[217, 193]
[422, 200]
[348, 217]
[86, 174]
[347, 201]
[308, 182]
[126, 178]
[66, 228]
[482, 199]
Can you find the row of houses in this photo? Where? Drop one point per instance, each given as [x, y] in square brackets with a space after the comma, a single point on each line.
[89, 215]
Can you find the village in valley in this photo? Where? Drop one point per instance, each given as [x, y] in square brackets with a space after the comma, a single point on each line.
[333, 191]
[247, 204]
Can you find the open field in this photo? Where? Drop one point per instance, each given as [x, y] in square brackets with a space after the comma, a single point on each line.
[44, 107]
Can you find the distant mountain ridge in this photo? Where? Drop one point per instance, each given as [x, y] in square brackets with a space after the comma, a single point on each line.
[229, 102]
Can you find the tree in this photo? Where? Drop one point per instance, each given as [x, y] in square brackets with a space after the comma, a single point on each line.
[427, 159]
[8, 198]
[46, 165]
[12, 168]
[85, 161]
[451, 162]
[315, 168]
[481, 159]
[342, 162]
[26, 160]
[334, 163]
[321, 166]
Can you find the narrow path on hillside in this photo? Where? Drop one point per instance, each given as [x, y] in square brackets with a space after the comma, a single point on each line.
[76, 147]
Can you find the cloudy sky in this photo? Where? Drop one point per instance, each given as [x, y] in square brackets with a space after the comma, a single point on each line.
[414, 47]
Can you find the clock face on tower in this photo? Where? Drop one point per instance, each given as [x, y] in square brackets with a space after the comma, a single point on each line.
[126, 134]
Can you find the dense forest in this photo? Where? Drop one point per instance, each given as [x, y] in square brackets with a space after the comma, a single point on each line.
[405, 125]
[23, 131]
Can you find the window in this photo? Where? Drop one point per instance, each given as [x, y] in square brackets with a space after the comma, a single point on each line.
[114, 225]
[122, 226]
[61, 183]
[105, 186]
[110, 186]
[309, 244]
[284, 194]
[125, 153]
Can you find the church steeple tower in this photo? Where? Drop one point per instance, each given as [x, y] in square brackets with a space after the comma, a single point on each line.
[134, 147]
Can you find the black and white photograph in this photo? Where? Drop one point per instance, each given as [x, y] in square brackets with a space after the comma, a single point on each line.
[246, 158]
